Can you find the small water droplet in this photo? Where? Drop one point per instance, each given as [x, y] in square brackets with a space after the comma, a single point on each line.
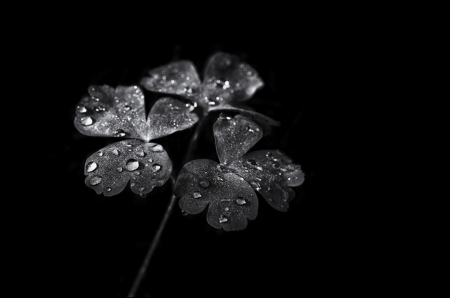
[249, 129]
[223, 218]
[96, 99]
[150, 160]
[115, 152]
[100, 153]
[252, 162]
[140, 153]
[86, 121]
[127, 108]
[157, 148]
[276, 165]
[81, 109]
[141, 189]
[255, 185]
[188, 78]
[219, 178]
[108, 189]
[119, 169]
[227, 209]
[95, 180]
[132, 165]
[203, 183]
[196, 195]
[240, 201]
[91, 167]
[259, 168]
[211, 103]
[120, 133]
[184, 213]
[156, 167]
[137, 173]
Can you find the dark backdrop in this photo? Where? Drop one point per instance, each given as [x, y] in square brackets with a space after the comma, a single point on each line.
[95, 244]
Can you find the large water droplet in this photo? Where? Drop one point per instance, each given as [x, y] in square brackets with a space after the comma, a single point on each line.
[115, 152]
[204, 183]
[157, 148]
[140, 153]
[86, 121]
[132, 165]
[95, 180]
[240, 201]
[196, 195]
[156, 167]
[91, 167]
[223, 218]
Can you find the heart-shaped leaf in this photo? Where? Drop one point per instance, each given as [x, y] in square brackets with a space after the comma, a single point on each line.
[146, 164]
[271, 173]
[110, 112]
[169, 115]
[179, 78]
[234, 137]
[120, 112]
[227, 80]
[231, 199]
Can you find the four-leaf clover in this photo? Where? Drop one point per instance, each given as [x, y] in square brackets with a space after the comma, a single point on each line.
[228, 187]
[120, 112]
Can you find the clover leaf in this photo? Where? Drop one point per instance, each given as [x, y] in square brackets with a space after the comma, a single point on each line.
[269, 172]
[120, 112]
[227, 83]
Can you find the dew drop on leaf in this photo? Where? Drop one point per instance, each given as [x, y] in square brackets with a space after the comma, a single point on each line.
[120, 133]
[86, 121]
[276, 165]
[108, 189]
[132, 165]
[140, 153]
[157, 148]
[204, 183]
[240, 201]
[100, 153]
[95, 180]
[91, 167]
[223, 218]
[137, 173]
[150, 160]
[81, 109]
[115, 152]
[255, 185]
[141, 189]
[127, 108]
[197, 195]
[119, 169]
[156, 167]
[269, 155]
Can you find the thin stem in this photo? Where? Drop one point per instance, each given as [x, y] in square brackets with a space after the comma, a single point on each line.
[193, 140]
[152, 248]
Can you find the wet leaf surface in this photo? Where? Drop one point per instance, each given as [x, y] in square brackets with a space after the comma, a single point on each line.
[231, 200]
[234, 137]
[169, 115]
[272, 174]
[227, 80]
[112, 112]
[146, 164]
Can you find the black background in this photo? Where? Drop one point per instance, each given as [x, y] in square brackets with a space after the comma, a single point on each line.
[95, 244]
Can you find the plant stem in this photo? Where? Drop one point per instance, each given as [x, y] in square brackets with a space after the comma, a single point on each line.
[152, 248]
[193, 140]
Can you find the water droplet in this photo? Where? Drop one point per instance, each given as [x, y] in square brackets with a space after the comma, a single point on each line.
[156, 167]
[240, 201]
[249, 129]
[119, 169]
[157, 148]
[252, 162]
[95, 99]
[91, 167]
[81, 109]
[100, 153]
[276, 165]
[150, 160]
[137, 173]
[211, 103]
[115, 152]
[127, 108]
[188, 78]
[196, 195]
[223, 218]
[95, 180]
[120, 133]
[255, 185]
[141, 189]
[108, 189]
[132, 165]
[140, 153]
[204, 183]
[227, 209]
[86, 121]
[184, 213]
[259, 168]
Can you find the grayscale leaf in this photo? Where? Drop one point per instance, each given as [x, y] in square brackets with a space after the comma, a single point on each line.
[272, 174]
[110, 112]
[169, 115]
[231, 200]
[146, 164]
[234, 137]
